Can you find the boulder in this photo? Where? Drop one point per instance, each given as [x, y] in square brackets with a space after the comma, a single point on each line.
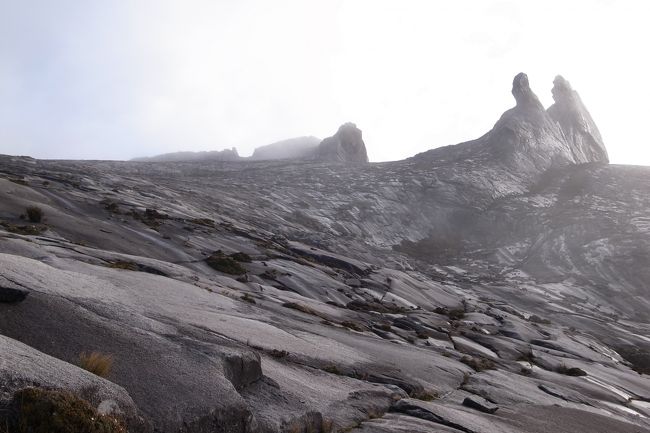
[480, 404]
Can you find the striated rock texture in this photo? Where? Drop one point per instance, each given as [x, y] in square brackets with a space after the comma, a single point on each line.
[345, 146]
[508, 272]
[576, 123]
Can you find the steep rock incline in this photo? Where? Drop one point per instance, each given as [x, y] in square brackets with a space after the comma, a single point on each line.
[579, 128]
[267, 296]
[345, 146]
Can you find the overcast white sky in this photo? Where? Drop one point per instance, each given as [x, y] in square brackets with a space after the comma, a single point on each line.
[117, 79]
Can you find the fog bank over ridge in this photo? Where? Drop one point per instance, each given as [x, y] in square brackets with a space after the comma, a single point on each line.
[117, 81]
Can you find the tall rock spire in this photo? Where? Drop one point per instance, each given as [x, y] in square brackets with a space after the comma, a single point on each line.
[523, 94]
[576, 123]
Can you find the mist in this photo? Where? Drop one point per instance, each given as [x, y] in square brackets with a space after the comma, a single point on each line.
[117, 80]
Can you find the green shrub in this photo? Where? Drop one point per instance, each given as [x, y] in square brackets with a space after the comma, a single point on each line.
[34, 214]
[36, 410]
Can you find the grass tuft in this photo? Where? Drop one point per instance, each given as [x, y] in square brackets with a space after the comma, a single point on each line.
[96, 363]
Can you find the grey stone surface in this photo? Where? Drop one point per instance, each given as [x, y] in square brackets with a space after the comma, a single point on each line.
[22, 366]
[345, 146]
[367, 285]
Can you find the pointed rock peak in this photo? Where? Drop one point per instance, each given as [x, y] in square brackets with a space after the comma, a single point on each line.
[562, 90]
[579, 128]
[345, 146]
[349, 132]
[523, 94]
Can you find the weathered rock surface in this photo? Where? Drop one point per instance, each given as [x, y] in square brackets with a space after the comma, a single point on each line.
[376, 297]
[576, 123]
[21, 366]
[345, 146]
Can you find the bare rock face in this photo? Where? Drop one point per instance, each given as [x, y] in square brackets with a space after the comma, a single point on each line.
[22, 366]
[408, 296]
[523, 94]
[345, 146]
[579, 128]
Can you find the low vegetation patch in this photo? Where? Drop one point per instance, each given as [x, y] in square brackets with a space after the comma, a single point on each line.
[271, 274]
[19, 181]
[29, 229]
[332, 369]
[222, 263]
[303, 308]
[349, 324]
[570, 371]
[478, 363]
[205, 222]
[241, 257]
[35, 410]
[279, 353]
[121, 264]
[96, 363]
[34, 214]
[452, 313]
[248, 298]
[111, 206]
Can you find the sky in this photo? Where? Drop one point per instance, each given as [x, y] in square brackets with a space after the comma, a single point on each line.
[102, 79]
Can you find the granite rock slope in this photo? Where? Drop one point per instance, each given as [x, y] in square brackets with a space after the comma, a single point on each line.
[486, 287]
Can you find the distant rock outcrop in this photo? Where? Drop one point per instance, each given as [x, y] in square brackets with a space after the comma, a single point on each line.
[293, 148]
[214, 155]
[579, 128]
[345, 146]
[528, 140]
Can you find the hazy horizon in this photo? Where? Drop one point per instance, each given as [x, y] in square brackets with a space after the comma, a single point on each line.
[93, 80]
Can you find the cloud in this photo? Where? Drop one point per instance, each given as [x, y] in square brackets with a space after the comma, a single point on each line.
[124, 79]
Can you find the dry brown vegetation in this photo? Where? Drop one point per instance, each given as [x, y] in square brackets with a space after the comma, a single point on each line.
[96, 363]
[45, 411]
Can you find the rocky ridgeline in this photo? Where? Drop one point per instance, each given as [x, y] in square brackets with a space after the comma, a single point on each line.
[346, 146]
[499, 285]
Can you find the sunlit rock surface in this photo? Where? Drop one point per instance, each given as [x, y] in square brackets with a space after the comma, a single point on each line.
[511, 271]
